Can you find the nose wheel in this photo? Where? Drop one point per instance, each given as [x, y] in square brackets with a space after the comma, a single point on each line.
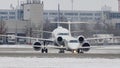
[75, 52]
[80, 51]
[62, 51]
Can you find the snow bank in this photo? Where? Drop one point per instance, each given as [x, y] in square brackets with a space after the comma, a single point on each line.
[16, 46]
[7, 62]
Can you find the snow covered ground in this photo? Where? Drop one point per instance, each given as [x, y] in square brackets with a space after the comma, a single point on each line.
[16, 46]
[33, 62]
[18, 62]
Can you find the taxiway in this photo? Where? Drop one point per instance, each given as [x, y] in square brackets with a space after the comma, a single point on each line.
[27, 51]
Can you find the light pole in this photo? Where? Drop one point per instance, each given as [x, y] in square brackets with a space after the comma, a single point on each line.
[16, 33]
[29, 28]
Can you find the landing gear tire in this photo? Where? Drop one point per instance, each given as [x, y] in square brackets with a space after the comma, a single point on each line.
[80, 51]
[61, 51]
[44, 50]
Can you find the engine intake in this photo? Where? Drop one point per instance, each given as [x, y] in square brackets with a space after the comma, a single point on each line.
[37, 46]
[81, 39]
[60, 41]
[86, 45]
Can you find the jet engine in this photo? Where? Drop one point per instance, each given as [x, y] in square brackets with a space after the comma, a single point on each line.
[81, 39]
[59, 41]
[86, 45]
[37, 46]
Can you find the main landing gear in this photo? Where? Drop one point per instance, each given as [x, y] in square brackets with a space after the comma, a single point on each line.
[44, 49]
[62, 51]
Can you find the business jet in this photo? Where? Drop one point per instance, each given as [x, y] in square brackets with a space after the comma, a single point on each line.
[62, 40]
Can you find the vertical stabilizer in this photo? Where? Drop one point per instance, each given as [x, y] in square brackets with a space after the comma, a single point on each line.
[58, 24]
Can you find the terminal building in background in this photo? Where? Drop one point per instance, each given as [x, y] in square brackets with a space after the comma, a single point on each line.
[19, 21]
[65, 15]
[23, 20]
[31, 14]
[83, 16]
[11, 14]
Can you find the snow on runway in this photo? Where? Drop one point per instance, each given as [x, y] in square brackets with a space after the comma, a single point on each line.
[9, 62]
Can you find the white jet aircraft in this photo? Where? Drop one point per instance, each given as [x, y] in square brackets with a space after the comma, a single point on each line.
[62, 40]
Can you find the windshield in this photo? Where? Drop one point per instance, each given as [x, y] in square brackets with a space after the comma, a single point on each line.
[73, 41]
[63, 34]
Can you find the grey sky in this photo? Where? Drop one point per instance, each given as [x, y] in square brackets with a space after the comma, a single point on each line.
[66, 4]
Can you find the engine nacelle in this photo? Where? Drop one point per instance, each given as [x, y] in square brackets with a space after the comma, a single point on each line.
[86, 45]
[59, 41]
[81, 39]
[37, 46]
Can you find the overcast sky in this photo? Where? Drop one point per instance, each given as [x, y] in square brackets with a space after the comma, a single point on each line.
[66, 4]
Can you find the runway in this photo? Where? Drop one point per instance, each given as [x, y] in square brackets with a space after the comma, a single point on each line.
[27, 51]
[55, 55]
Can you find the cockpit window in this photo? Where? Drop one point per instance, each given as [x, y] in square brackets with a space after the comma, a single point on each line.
[63, 34]
[73, 41]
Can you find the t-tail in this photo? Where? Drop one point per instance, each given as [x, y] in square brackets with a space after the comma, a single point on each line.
[58, 24]
[59, 20]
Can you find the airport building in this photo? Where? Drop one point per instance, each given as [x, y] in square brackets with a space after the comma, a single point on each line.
[52, 15]
[11, 14]
[32, 13]
[23, 20]
[75, 16]
[66, 15]
[29, 14]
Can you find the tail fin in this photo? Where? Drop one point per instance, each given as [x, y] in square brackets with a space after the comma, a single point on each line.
[58, 24]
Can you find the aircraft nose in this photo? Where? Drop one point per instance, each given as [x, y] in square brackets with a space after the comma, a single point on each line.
[73, 45]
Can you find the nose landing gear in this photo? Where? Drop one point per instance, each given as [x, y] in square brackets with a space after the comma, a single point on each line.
[61, 51]
[80, 51]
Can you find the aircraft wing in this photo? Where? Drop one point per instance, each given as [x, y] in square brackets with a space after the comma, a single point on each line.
[37, 39]
[76, 31]
[108, 47]
[51, 47]
[99, 38]
[102, 38]
[91, 47]
[116, 37]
